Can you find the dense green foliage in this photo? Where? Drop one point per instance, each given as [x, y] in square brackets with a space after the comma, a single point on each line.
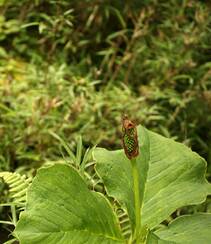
[61, 209]
[74, 67]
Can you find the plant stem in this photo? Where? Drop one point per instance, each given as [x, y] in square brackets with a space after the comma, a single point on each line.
[136, 199]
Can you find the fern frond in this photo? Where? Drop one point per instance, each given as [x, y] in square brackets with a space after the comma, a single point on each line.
[18, 185]
[124, 222]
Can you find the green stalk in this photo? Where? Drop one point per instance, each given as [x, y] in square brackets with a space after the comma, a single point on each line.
[136, 199]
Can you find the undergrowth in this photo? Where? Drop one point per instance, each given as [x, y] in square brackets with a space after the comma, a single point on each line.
[75, 67]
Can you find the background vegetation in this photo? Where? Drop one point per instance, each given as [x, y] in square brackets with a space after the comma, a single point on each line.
[74, 67]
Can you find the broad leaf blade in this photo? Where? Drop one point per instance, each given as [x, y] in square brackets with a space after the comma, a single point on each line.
[189, 229]
[60, 209]
[176, 178]
[173, 177]
[115, 169]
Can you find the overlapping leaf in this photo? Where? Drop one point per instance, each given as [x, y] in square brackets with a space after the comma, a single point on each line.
[61, 209]
[190, 229]
[171, 176]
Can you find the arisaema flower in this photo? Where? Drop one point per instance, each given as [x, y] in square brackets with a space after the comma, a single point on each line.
[129, 138]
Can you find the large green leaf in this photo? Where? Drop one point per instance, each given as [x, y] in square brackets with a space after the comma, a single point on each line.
[60, 209]
[192, 229]
[171, 175]
[115, 170]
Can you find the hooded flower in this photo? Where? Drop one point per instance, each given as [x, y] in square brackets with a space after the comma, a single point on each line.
[129, 138]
